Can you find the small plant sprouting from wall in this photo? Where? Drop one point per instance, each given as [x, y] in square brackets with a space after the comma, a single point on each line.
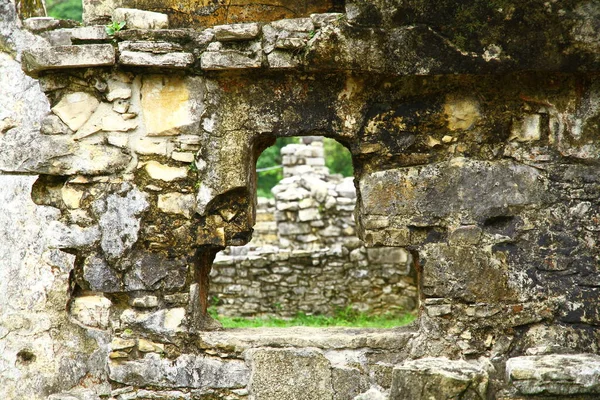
[114, 27]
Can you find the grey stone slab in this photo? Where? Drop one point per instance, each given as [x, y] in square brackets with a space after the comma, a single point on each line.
[236, 31]
[292, 374]
[85, 33]
[149, 46]
[438, 378]
[168, 60]
[83, 56]
[555, 374]
[187, 370]
[39, 24]
[229, 59]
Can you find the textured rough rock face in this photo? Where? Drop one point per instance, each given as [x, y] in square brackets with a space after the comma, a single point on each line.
[211, 12]
[439, 378]
[128, 162]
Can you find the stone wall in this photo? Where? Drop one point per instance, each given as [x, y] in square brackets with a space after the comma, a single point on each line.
[128, 163]
[304, 255]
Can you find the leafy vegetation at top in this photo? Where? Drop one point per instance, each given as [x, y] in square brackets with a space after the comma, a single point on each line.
[271, 157]
[65, 9]
[337, 158]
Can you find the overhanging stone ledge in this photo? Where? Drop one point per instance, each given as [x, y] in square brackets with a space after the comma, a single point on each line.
[59, 57]
[322, 338]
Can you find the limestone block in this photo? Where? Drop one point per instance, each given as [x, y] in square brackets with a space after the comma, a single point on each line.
[461, 112]
[167, 321]
[317, 186]
[290, 228]
[152, 271]
[183, 156]
[89, 33]
[39, 24]
[294, 24]
[292, 374]
[115, 122]
[282, 59]
[146, 346]
[93, 311]
[309, 214]
[226, 59]
[236, 31]
[489, 187]
[82, 56]
[60, 158]
[163, 172]
[53, 125]
[72, 236]
[167, 60]
[117, 89]
[94, 123]
[320, 20]
[58, 37]
[119, 221]
[121, 106]
[555, 374]
[438, 378]
[71, 196]
[177, 203]
[292, 193]
[528, 129]
[168, 105]
[121, 344]
[347, 382]
[140, 19]
[187, 370]
[149, 47]
[150, 146]
[467, 273]
[74, 109]
[99, 276]
[346, 188]
[466, 235]
[144, 302]
[387, 255]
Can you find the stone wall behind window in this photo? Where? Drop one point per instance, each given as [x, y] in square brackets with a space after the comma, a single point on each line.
[305, 256]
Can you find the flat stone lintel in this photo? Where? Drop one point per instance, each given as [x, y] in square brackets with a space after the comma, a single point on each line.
[168, 60]
[229, 59]
[82, 56]
[322, 338]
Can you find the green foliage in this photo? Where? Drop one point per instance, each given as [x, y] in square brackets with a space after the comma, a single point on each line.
[343, 317]
[271, 157]
[337, 158]
[65, 9]
[114, 27]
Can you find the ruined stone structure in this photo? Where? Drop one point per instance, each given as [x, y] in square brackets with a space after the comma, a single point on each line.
[128, 163]
[304, 255]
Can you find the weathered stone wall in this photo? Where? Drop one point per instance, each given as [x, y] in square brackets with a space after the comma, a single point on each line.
[207, 13]
[474, 136]
[305, 256]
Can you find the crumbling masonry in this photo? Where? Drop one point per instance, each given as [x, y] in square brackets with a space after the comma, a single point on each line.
[128, 163]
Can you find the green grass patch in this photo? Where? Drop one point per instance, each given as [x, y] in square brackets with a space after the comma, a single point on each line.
[346, 317]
